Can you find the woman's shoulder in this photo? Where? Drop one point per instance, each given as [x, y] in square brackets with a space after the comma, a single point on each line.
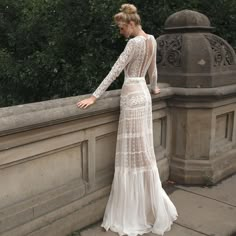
[152, 36]
[142, 37]
[132, 41]
[139, 39]
[135, 40]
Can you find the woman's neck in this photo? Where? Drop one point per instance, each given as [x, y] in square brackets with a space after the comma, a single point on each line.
[138, 31]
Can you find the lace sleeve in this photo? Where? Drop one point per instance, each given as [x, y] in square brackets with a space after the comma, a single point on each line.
[117, 68]
[152, 70]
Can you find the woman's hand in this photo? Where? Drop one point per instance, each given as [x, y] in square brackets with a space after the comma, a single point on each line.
[156, 90]
[86, 102]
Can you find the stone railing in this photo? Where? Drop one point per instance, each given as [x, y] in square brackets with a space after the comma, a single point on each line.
[57, 161]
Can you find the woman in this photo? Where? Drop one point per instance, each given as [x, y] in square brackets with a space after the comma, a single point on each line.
[137, 203]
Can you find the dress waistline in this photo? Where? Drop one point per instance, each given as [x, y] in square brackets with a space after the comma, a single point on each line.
[134, 79]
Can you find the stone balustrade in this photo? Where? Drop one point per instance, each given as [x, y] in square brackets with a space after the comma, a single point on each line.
[57, 162]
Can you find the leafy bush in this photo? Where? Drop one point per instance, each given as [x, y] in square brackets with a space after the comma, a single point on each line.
[58, 48]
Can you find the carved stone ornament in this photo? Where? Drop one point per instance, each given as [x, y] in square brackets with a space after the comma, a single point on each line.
[223, 56]
[169, 48]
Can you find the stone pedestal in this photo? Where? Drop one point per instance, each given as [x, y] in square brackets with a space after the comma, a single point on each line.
[203, 140]
[201, 68]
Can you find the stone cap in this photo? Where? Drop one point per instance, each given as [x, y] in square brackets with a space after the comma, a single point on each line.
[187, 20]
[42, 114]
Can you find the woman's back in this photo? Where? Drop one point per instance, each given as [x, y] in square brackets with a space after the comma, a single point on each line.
[138, 58]
[144, 53]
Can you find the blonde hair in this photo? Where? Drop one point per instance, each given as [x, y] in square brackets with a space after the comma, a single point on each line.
[128, 12]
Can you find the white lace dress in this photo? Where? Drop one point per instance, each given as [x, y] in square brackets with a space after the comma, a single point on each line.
[137, 203]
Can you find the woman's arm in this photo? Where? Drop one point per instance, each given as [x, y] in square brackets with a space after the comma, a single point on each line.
[152, 72]
[117, 68]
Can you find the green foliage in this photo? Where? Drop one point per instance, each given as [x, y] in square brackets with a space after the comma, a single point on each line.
[58, 48]
[221, 13]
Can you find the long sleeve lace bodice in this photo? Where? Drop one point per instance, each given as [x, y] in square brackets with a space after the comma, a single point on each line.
[138, 58]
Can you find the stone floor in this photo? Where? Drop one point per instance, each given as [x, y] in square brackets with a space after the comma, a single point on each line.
[209, 211]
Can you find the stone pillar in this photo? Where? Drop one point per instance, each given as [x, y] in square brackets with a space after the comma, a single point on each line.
[201, 69]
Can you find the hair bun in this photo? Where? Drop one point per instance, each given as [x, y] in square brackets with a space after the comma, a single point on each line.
[128, 9]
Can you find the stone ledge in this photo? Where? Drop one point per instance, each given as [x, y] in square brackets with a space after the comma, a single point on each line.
[64, 223]
[203, 171]
[41, 211]
[35, 115]
[217, 92]
[40, 114]
[39, 205]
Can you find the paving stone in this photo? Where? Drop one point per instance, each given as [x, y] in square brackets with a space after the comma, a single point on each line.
[223, 191]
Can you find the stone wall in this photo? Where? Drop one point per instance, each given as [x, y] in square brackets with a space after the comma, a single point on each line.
[203, 147]
[57, 162]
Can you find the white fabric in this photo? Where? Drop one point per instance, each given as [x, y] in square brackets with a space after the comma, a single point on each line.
[138, 58]
[137, 203]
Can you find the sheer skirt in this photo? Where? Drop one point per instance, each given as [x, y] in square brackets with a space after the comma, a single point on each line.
[137, 203]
